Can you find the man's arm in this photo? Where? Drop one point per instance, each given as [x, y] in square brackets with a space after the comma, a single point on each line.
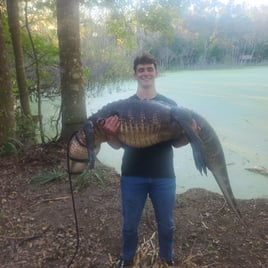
[182, 141]
[110, 127]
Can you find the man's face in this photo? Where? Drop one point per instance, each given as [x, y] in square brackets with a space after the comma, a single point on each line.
[145, 75]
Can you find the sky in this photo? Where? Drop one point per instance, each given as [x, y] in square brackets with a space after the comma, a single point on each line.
[250, 2]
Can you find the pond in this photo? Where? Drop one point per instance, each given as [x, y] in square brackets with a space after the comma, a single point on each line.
[235, 102]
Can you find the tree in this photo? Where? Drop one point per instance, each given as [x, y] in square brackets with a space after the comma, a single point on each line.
[25, 122]
[72, 91]
[14, 28]
[7, 118]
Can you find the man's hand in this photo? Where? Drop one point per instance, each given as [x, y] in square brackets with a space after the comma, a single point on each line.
[110, 127]
[182, 141]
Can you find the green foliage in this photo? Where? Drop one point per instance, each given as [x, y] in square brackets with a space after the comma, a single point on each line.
[47, 54]
[216, 53]
[46, 48]
[104, 67]
[25, 128]
[88, 177]
[11, 147]
[157, 19]
[41, 18]
[261, 51]
[48, 176]
[118, 26]
[6, 30]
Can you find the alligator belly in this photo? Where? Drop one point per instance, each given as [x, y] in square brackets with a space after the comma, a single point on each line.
[144, 135]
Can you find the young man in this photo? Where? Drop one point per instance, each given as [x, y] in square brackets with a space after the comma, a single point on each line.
[146, 172]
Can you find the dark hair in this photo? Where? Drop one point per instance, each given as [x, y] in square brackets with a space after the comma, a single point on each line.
[144, 58]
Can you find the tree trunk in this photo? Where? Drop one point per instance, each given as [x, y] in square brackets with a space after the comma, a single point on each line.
[14, 28]
[7, 118]
[72, 91]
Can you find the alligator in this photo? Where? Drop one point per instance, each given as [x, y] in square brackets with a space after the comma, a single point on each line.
[144, 123]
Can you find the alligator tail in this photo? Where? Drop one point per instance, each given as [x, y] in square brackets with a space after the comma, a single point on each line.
[215, 160]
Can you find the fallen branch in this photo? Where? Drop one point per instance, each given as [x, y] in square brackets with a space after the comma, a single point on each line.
[51, 200]
[23, 239]
[259, 170]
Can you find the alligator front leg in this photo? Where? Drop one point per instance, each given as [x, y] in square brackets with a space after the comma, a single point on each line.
[89, 132]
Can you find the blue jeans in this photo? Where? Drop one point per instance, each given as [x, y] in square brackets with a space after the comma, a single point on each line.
[162, 192]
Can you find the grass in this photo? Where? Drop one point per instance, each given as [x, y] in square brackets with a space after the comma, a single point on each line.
[48, 176]
[88, 177]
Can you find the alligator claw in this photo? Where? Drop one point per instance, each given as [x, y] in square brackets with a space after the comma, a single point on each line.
[89, 132]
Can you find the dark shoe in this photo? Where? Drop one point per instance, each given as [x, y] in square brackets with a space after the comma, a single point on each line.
[123, 263]
[170, 263]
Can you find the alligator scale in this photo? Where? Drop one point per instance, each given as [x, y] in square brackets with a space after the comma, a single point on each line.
[144, 123]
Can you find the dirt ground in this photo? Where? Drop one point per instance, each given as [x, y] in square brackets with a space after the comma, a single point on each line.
[37, 227]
